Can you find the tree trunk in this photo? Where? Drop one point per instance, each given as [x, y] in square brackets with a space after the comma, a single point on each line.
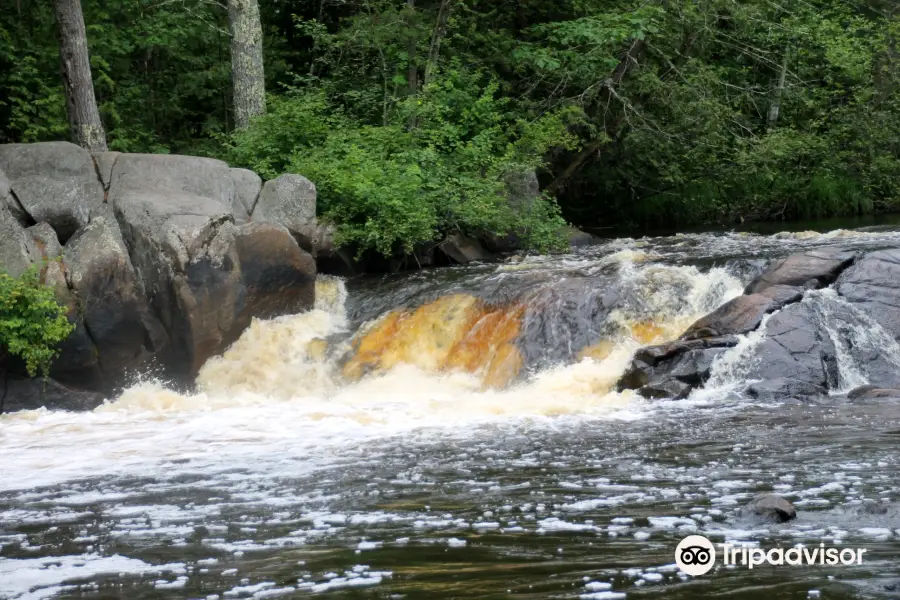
[81, 105]
[437, 36]
[412, 71]
[247, 71]
[775, 107]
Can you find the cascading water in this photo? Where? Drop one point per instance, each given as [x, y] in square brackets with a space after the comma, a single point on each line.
[451, 433]
[858, 340]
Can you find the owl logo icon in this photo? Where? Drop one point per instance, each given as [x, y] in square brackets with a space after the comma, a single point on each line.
[695, 555]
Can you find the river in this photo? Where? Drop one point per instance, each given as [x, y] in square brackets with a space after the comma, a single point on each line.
[456, 433]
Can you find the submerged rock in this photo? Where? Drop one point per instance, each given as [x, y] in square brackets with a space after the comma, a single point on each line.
[873, 392]
[771, 507]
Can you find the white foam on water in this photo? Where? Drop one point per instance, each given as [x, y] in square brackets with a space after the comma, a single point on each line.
[37, 578]
[730, 371]
[277, 390]
[275, 405]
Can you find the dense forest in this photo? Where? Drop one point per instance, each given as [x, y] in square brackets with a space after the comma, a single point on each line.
[413, 116]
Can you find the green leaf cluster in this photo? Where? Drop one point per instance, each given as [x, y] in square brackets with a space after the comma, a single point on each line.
[392, 187]
[32, 323]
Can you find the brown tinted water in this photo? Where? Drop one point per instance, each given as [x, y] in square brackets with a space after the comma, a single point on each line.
[456, 434]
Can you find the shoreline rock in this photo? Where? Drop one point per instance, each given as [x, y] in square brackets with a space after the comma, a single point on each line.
[150, 259]
[796, 358]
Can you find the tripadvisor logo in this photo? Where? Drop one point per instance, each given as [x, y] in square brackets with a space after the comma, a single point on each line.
[696, 555]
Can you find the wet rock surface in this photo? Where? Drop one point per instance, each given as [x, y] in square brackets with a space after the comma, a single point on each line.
[772, 508]
[111, 306]
[673, 370]
[811, 270]
[796, 356]
[743, 314]
[21, 394]
[873, 284]
[871, 392]
[796, 359]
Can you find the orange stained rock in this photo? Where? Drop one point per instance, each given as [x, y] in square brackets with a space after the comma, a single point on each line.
[599, 351]
[488, 348]
[457, 332]
[647, 332]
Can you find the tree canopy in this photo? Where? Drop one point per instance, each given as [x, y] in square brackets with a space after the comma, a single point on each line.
[409, 115]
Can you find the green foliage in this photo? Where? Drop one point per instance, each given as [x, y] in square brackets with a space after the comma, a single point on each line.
[32, 323]
[408, 123]
[391, 187]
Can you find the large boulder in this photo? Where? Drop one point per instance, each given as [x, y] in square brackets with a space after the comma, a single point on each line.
[182, 248]
[873, 285]
[743, 314]
[577, 238]
[188, 255]
[19, 393]
[796, 357]
[278, 275]
[247, 186]
[17, 249]
[175, 176]
[53, 182]
[111, 306]
[812, 269]
[289, 200]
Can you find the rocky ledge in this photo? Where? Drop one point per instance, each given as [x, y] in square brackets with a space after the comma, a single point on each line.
[161, 260]
[803, 337]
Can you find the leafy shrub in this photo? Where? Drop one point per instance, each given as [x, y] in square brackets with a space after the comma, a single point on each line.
[438, 166]
[32, 323]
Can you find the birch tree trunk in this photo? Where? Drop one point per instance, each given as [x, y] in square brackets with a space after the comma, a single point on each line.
[412, 70]
[247, 71]
[777, 93]
[437, 36]
[81, 104]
